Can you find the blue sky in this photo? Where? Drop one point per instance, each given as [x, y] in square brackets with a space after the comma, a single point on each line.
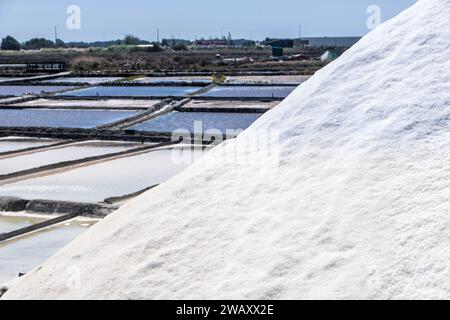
[102, 19]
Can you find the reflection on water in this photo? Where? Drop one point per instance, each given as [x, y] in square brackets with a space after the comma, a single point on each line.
[249, 91]
[23, 254]
[13, 144]
[174, 80]
[68, 153]
[11, 223]
[85, 80]
[209, 120]
[21, 90]
[112, 178]
[60, 118]
[134, 91]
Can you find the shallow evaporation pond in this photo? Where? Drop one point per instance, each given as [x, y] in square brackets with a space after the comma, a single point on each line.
[126, 91]
[86, 80]
[23, 254]
[58, 118]
[249, 92]
[198, 122]
[117, 104]
[112, 178]
[16, 143]
[59, 154]
[174, 80]
[214, 105]
[274, 80]
[9, 90]
[10, 223]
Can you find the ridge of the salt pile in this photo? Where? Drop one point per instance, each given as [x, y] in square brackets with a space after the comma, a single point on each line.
[357, 208]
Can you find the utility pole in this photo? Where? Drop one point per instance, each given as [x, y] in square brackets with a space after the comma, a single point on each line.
[157, 36]
[300, 36]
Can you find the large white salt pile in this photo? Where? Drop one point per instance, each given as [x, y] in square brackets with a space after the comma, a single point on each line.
[359, 206]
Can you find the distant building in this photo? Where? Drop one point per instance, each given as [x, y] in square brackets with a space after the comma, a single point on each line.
[212, 43]
[331, 41]
[175, 42]
[280, 43]
[301, 43]
[278, 46]
[321, 42]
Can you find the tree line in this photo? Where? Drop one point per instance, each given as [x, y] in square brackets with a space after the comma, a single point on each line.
[10, 43]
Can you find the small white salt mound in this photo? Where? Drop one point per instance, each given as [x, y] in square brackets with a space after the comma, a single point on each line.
[358, 207]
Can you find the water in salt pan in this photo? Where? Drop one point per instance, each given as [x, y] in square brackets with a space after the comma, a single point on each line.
[16, 143]
[11, 223]
[120, 104]
[249, 91]
[83, 80]
[11, 90]
[212, 105]
[198, 121]
[58, 118]
[60, 154]
[125, 91]
[274, 80]
[22, 254]
[108, 179]
[174, 80]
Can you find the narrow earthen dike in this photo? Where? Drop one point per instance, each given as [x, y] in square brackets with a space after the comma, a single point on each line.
[93, 210]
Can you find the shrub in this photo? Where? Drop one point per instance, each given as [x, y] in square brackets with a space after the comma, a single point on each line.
[9, 43]
[38, 43]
